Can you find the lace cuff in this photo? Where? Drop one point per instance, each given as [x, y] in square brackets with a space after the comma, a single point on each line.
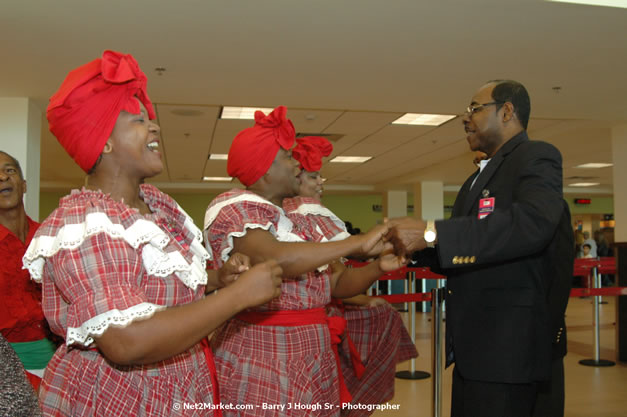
[96, 326]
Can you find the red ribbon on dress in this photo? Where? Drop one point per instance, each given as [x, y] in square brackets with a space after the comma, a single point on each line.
[214, 376]
[358, 365]
[336, 325]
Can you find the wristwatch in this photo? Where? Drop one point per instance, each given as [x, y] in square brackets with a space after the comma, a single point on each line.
[430, 234]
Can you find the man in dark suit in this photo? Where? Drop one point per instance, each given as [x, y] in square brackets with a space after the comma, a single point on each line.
[498, 251]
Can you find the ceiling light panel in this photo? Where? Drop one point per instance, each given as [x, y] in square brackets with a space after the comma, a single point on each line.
[224, 179]
[584, 184]
[219, 156]
[351, 159]
[607, 3]
[242, 113]
[593, 165]
[423, 119]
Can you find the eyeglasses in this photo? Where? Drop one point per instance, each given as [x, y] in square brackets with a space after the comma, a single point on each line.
[474, 108]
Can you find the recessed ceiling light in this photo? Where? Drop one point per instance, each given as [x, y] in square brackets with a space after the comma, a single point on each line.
[351, 159]
[606, 3]
[217, 179]
[242, 113]
[594, 165]
[423, 119]
[219, 156]
[584, 184]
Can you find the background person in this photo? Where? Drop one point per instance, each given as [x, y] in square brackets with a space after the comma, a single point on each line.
[284, 352]
[373, 325]
[17, 398]
[123, 266]
[22, 320]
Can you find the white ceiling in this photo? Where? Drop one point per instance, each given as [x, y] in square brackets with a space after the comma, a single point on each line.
[345, 67]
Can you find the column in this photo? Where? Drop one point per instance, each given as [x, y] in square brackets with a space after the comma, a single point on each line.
[395, 205]
[429, 200]
[619, 155]
[20, 136]
[428, 205]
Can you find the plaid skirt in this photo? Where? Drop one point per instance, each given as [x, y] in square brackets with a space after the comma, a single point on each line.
[382, 341]
[271, 371]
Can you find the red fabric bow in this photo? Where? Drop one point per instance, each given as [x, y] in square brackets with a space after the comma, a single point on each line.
[310, 150]
[253, 150]
[83, 112]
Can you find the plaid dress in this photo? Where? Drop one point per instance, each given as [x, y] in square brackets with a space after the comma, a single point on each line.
[278, 366]
[104, 263]
[377, 332]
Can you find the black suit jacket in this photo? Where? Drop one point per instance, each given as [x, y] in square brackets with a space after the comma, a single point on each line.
[499, 320]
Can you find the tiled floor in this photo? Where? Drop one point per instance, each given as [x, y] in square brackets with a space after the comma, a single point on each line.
[590, 391]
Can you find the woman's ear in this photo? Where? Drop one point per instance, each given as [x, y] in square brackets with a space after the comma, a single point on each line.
[108, 146]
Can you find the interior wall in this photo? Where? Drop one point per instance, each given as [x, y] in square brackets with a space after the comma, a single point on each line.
[356, 208]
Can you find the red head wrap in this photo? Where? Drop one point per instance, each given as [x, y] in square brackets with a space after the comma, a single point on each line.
[83, 112]
[310, 150]
[253, 150]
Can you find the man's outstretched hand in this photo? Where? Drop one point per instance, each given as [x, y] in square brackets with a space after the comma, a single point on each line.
[407, 235]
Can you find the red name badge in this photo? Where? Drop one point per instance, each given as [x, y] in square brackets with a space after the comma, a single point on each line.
[486, 206]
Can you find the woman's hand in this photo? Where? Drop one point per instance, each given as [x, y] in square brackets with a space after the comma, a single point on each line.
[236, 265]
[389, 262]
[373, 242]
[260, 284]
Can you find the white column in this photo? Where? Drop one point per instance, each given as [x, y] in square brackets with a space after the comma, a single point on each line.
[395, 204]
[20, 136]
[619, 154]
[429, 200]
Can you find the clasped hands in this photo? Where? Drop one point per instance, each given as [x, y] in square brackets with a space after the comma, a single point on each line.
[395, 240]
[401, 236]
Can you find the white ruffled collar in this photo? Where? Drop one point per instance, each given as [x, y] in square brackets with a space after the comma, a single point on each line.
[128, 224]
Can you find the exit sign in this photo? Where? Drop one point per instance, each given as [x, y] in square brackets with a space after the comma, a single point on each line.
[582, 201]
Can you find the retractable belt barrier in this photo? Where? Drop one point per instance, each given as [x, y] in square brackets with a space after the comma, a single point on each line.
[592, 269]
[583, 267]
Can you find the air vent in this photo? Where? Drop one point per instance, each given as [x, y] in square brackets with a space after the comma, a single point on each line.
[332, 137]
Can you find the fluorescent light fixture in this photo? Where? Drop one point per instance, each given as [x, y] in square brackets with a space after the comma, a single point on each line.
[606, 3]
[227, 179]
[242, 113]
[423, 119]
[584, 184]
[594, 165]
[218, 157]
[351, 159]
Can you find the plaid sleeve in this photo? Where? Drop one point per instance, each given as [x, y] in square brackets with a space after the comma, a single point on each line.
[100, 282]
[234, 220]
[329, 228]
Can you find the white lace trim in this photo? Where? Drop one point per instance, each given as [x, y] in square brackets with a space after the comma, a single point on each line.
[320, 210]
[96, 326]
[283, 231]
[213, 211]
[156, 261]
[340, 236]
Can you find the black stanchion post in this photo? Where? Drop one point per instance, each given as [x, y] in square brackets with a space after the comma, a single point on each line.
[437, 304]
[412, 373]
[597, 361]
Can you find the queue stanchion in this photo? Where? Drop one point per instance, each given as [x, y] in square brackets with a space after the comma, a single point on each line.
[596, 361]
[437, 304]
[412, 373]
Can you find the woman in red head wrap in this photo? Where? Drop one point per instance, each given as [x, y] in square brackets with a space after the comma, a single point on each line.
[123, 266]
[372, 325]
[284, 353]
